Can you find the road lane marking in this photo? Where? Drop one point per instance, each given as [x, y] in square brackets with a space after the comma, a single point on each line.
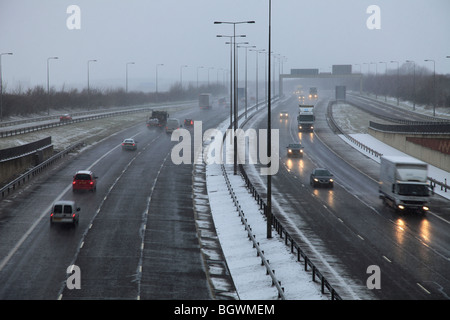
[421, 287]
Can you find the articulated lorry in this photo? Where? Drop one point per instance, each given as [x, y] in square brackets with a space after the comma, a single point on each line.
[404, 183]
[305, 118]
[157, 119]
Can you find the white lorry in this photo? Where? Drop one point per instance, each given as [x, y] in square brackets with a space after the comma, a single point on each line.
[305, 118]
[403, 183]
[205, 101]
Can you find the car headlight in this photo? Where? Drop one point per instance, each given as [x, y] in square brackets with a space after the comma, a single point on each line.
[289, 150]
[316, 180]
[331, 180]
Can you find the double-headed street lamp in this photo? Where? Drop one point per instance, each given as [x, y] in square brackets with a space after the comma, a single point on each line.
[1, 84]
[234, 87]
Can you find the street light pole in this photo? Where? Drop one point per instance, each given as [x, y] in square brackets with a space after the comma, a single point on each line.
[269, 138]
[414, 84]
[197, 74]
[257, 79]
[181, 76]
[1, 84]
[246, 47]
[157, 76]
[397, 80]
[126, 76]
[231, 74]
[434, 85]
[88, 89]
[385, 73]
[48, 84]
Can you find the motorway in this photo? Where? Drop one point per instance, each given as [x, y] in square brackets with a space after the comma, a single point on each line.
[347, 228]
[137, 236]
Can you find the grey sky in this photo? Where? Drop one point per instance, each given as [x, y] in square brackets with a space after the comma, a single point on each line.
[310, 34]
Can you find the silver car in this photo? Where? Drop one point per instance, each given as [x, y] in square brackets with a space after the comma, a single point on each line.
[172, 125]
[64, 211]
[129, 144]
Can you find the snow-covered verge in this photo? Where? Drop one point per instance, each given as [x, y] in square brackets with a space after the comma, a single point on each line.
[249, 276]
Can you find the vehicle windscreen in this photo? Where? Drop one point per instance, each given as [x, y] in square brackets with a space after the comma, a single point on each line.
[322, 173]
[418, 190]
[82, 177]
[306, 117]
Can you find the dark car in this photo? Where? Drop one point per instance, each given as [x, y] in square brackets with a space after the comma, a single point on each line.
[295, 150]
[284, 115]
[321, 177]
[188, 122]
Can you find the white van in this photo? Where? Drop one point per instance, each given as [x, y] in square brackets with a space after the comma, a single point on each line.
[172, 125]
[64, 211]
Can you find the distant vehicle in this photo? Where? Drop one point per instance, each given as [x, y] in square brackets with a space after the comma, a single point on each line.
[64, 211]
[84, 180]
[321, 177]
[295, 150]
[157, 119]
[313, 93]
[172, 125]
[305, 118]
[403, 183]
[284, 115]
[65, 118]
[205, 101]
[222, 102]
[129, 144]
[301, 98]
[188, 122]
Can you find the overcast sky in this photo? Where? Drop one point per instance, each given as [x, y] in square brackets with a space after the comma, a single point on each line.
[309, 34]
